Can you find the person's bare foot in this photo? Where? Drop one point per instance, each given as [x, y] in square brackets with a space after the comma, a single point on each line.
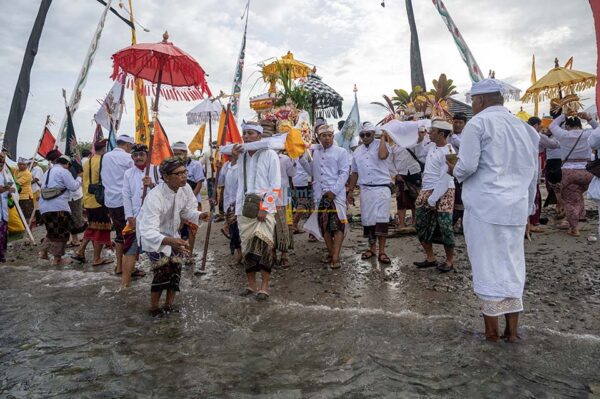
[61, 262]
[536, 229]
[43, 255]
[574, 232]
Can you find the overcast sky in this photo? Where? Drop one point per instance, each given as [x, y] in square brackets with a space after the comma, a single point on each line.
[350, 42]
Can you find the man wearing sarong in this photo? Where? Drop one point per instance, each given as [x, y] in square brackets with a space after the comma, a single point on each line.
[195, 179]
[7, 187]
[459, 120]
[498, 168]
[135, 180]
[302, 195]
[157, 229]
[330, 171]
[371, 170]
[37, 173]
[283, 237]
[99, 224]
[55, 211]
[230, 187]
[24, 179]
[435, 203]
[407, 174]
[114, 165]
[259, 176]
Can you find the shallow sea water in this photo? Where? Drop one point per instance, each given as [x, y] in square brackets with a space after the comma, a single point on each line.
[69, 333]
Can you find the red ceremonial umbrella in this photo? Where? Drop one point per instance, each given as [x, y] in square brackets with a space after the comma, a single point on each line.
[166, 69]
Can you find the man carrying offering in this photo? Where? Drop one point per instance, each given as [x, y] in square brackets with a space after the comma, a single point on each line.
[371, 170]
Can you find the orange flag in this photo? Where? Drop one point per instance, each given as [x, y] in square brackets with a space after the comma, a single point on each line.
[161, 149]
[232, 136]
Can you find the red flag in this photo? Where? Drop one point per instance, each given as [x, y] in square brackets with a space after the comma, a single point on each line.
[47, 143]
[232, 136]
[161, 149]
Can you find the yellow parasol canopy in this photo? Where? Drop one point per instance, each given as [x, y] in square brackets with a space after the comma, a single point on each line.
[557, 80]
[296, 69]
[523, 115]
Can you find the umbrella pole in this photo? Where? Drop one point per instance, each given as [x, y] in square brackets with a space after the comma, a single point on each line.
[154, 122]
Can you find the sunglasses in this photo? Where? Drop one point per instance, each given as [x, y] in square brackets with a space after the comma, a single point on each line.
[365, 134]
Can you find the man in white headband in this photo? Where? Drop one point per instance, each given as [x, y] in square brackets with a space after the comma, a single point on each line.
[113, 166]
[435, 204]
[330, 170]
[498, 168]
[371, 170]
[259, 180]
[24, 179]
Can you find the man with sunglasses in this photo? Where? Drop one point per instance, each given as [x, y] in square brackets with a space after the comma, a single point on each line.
[134, 182]
[157, 228]
[371, 170]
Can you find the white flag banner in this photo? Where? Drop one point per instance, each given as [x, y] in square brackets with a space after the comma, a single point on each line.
[110, 104]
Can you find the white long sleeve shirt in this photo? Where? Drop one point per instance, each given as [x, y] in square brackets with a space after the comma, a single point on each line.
[287, 170]
[133, 189]
[161, 216]
[263, 177]
[454, 139]
[370, 168]
[231, 185]
[568, 138]
[58, 177]
[330, 171]
[36, 173]
[403, 163]
[435, 175]
[114, 166]
[302, 176]
[498, 164]
[5, 178]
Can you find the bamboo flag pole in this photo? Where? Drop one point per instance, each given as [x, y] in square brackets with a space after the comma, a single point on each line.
[208, 227]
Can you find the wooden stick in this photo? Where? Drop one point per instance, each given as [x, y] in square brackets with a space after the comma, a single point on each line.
[215, 188]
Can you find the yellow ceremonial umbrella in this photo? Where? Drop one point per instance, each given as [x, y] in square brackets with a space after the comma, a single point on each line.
[523, 115]
[559, 81]
[285, 65]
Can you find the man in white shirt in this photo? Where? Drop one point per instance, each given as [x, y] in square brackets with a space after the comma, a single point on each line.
[209, 172]
[371, 170]
[195, 178]
[435, 204]
[7, 187]
[459, 120]
[259, 178]
[134, 181]
[231, 230]
[283, 238]
[498, 168]
[303, 201]
[407, 172]
[330, 171]
[114, 165]
[157, 229]
[36, 173]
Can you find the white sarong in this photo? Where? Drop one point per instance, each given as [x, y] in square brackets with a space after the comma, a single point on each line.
[250, 228]
[374, 205]
[497, 257]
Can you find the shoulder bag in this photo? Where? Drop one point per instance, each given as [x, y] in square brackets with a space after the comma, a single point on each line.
[51, 193]
[97, 189]
[251, 201]
[594, 166]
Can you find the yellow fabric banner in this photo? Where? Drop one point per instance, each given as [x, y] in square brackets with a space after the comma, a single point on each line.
[197, 142]
[142, 132]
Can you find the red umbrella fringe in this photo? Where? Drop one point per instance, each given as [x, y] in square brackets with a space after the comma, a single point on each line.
[180, 65]
[171, 93]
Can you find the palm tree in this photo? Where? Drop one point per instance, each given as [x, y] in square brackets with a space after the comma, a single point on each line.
[417, 78]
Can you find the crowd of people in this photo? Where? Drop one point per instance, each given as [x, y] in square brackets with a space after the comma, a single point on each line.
[480, 176]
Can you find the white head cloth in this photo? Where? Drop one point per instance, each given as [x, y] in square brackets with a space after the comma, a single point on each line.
[441, 124]
[125, 138]
[325, 128]
[369, 127]
[252, 126]
[487, 86]
[23, 160]
[179, 146]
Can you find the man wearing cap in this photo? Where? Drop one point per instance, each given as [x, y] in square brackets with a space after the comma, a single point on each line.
[55, 210]
[259, 177]
[99, 224]
[330, 171]
[498, 168]
[435, 203]
[195, 178]
[114, 165]
[24, 178]
[135, 180]
[459, 120]
[157, 229]
[371, 170]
